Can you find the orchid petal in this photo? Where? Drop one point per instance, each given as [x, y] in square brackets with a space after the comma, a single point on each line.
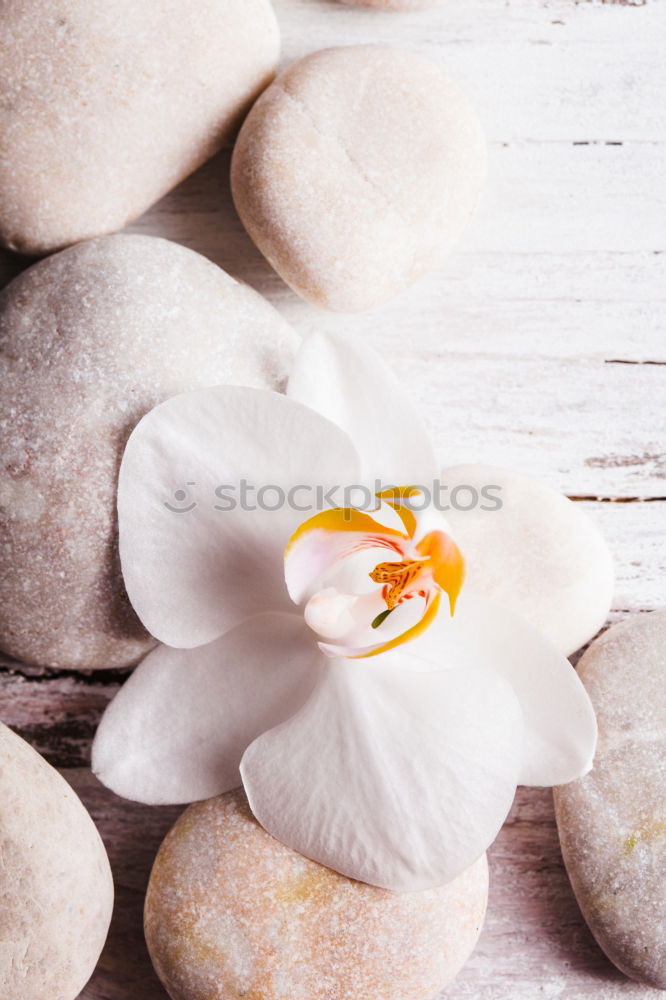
[196, 559]
[349, 384]
[559, 723]
[394, 778]
[177, 729]
[532, 550]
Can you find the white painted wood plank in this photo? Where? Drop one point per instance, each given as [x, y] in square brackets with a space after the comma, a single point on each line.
[599, 306]
[537, 69]
[636, 535]
[559, 197]
[583, 426]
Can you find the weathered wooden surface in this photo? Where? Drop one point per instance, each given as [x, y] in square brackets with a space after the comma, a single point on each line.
[540, 345]
[534, 944]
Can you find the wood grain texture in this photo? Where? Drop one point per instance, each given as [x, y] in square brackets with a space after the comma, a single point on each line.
[540, 345]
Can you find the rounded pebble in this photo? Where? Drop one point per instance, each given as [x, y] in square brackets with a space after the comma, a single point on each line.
[106, 107]
[56, 890]
[612, 822]
[90, 340]
[231, 912]
[538, 553]
[356, 171]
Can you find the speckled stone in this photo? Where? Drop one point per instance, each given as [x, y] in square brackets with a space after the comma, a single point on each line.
[356, 171]
[231, 912]
[106, 106]
[612, 823]
[56, 890]
[90, 340]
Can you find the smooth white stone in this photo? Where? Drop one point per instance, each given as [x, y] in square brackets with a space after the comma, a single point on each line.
[356, 171]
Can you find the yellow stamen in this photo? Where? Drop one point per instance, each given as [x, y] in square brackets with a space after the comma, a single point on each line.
[397, 578]
[441, 557]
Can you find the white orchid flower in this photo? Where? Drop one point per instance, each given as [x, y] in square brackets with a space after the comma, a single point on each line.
[378, 725]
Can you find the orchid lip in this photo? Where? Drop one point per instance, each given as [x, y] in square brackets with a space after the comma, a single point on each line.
[350, 618]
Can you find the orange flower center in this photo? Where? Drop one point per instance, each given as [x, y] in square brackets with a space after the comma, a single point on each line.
[398, 579]
[440, 563]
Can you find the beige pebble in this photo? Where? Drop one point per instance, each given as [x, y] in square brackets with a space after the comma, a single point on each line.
[106, 106]
[231, 912]
[612, 823]
[90, 340]
[356, 171]
[56, 890]
[539, 553]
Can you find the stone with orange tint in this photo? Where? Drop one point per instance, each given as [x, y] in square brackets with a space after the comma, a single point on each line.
[231, 912]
